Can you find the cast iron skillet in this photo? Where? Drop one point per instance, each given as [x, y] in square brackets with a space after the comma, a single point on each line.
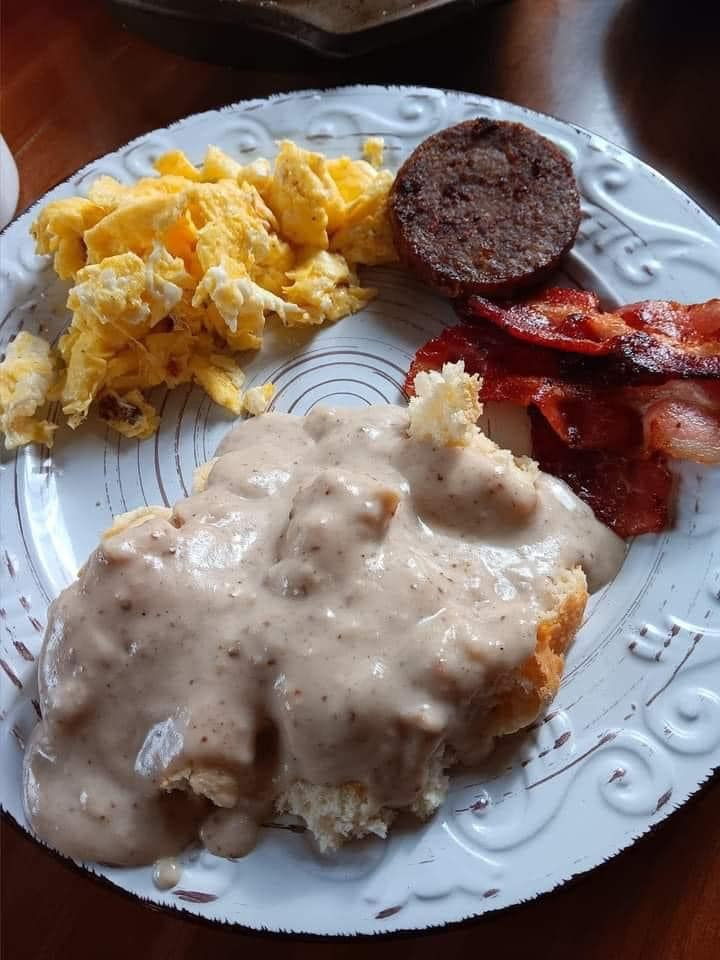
[242, 31]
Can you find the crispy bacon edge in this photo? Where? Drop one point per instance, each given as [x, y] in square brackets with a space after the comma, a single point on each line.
[656, 337]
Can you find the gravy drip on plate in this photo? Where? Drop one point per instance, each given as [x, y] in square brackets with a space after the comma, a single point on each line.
[166, 873]
[335, 607]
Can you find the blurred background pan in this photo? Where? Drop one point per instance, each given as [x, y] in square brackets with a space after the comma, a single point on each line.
[243, 31]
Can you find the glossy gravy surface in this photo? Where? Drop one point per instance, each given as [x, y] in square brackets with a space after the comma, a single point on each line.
[332, 608]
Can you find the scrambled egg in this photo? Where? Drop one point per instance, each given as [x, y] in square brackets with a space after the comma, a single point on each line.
[241, 304]
[324, 287]
[257, 399]
[26, 376]
[374, 151]
[174, 274]
[307, 199]
[60, 229]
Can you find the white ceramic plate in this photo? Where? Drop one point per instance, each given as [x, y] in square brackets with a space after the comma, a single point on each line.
[635, 728]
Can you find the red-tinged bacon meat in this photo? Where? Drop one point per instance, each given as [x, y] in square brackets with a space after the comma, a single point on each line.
[513, 370]
[658, 337]
[679, 418]
[610, 436]
[630, 495]
[683, 420]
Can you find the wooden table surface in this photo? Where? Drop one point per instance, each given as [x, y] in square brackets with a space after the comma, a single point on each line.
[75, 85]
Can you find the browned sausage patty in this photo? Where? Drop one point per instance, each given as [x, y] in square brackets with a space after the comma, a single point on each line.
[484, 207]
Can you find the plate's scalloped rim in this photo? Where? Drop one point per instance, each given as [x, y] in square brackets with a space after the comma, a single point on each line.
[183, 913]
[355, 88]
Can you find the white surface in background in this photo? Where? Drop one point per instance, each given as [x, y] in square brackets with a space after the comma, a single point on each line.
[9, 185]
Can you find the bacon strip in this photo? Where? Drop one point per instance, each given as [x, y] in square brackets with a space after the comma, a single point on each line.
[630, 495]
[658, 337]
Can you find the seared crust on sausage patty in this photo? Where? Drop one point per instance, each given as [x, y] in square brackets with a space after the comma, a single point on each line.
[484, 207]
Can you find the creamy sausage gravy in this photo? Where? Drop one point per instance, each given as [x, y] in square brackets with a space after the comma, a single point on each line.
[333, 608]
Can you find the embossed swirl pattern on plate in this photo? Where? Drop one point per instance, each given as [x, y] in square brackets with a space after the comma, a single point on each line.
[636, 725]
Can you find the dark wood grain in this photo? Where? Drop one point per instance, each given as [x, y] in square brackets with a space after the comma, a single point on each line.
[644, 73]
